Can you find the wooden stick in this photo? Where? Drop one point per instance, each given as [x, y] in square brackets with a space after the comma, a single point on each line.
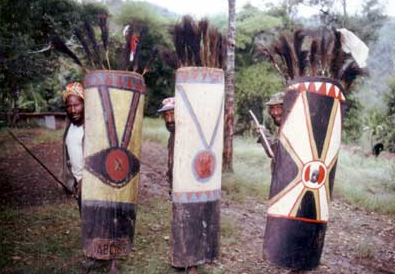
[41, 164]
[268, 148]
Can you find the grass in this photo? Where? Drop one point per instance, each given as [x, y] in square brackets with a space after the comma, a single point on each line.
[155, 130]
[365, 249]
[40, 239]
[251, 176]
[366, 182]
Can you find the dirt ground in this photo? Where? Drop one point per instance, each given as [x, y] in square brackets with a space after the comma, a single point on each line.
[356, 241]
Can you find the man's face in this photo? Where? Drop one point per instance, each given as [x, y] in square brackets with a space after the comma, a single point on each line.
[168, 116]
[276, 111]
[75, 109]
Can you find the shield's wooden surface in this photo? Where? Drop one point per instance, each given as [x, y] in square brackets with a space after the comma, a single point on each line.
[197, 165]
[114, 102]
[304, 172]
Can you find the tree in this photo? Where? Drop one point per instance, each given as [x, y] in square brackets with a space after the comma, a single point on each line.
[229, 89]
[254, 86]
[22, 35]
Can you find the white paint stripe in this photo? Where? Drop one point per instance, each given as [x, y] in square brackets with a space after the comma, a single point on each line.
[296, 131]
[324, 204]
[284, 205]
[318, 86]
[336, 92]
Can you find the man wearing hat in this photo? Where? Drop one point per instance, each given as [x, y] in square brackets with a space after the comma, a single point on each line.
[275, 110]
[73, 160]
[168, 115]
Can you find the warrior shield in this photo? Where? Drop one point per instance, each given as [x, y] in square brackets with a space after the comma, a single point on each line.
[304, 172]
[199, 107]
[114, 102]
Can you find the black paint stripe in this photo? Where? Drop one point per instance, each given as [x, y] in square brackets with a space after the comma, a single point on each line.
[108, 115]
[127, 133]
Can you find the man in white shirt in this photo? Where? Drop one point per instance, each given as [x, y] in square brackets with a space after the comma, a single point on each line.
[73, 160]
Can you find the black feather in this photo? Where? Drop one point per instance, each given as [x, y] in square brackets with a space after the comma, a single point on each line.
[204, 26]
[136, 59]
[325, 45]
[337, 56]
[102, 18]
[301, 55]
[267, 52]
[195, 42]
[314, 58]
[213, 34]
[179, 44]
[189, 38]
[91, 35]
[350, 73]
[80, 36]
[289, 56]
[59, 45]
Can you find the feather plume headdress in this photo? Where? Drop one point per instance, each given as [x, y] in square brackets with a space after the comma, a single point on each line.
[327, 56]
[198, 44]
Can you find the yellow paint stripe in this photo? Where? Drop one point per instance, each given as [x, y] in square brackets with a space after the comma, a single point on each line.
[329, 131]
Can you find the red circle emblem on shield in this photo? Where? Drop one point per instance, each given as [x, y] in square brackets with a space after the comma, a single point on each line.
[314, 174]
[117, 165]
[204, 165]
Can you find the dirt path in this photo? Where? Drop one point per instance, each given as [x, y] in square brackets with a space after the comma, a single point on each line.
[356, 241]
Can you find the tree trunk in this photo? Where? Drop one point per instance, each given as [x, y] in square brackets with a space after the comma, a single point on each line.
[230, 90]
[15, 111]
[344, 21]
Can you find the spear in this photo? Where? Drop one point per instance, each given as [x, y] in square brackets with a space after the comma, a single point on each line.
[268, 149]
[41, 163]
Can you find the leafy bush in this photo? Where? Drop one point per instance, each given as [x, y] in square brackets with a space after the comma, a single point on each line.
[254, 86]
[389, 122]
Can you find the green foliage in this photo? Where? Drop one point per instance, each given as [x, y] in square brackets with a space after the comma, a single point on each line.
[253, 26]
[352, 121]
[374, 125]
[220, 22]
[286, 11]
[26, 75]
[254, 86]
[252, 22]
[367, 24]
[380, 123]
[254, 83]
[388, 135]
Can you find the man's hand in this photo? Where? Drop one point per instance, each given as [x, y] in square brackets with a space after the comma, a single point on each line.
[259, 127]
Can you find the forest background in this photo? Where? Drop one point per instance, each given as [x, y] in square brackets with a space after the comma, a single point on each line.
[32, 77]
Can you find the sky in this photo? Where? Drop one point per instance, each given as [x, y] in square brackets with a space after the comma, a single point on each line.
[201, 8]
